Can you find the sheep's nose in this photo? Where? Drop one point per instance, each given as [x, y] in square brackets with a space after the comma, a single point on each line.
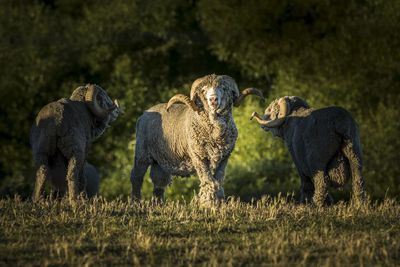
[213, 100]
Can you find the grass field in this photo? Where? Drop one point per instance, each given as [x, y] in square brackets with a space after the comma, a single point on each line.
[268, 232]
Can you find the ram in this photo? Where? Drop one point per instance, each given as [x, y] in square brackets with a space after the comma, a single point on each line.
[62, 134]
[323, 143]
[189, 135]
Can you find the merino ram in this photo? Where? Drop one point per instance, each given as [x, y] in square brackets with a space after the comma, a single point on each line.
[62, 134]
[323, 143]
[188, 136]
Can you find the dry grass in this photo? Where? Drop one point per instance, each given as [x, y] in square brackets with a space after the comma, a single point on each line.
[268, 232]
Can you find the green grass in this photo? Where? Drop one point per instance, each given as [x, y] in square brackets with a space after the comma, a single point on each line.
[268, 232]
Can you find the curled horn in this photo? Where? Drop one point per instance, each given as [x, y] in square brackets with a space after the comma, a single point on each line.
[283, 111]
[179, 98]
[246, 92]
[92, 103]
[190, 102]
[193, 90]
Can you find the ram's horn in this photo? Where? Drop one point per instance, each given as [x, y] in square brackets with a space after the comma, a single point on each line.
[283, 107]
[93, 105]
[179, 98]
[268, 123]
[283, 111]
[194, 87]
[246, 92]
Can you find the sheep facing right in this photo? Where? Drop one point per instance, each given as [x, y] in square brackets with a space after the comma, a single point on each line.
[63, 132]
[323, 143]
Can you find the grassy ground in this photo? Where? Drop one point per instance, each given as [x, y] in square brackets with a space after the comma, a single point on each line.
[267, 232]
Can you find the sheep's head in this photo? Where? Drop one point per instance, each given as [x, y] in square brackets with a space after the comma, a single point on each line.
[99, 103]
[275, 114]
[214, 94]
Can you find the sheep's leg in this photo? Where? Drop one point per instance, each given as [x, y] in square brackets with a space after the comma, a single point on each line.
[306, 186]
[353, 153]
[82, 183]
[306, 190]
[211, 190]
[160, 180]
[321, 188]
[42, 173]
[219, 176]
[92, 180]
[75, 165]
[137, 175]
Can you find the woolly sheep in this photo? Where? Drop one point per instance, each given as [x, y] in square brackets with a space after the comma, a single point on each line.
[64, 130]
[188, 136]
[323, 143]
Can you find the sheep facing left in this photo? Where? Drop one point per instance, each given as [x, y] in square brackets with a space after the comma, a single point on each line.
[62, 135]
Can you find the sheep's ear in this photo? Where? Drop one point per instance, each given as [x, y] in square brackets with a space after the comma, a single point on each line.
[194, 91]
[198, 102]
[235, 96]
[235, 91]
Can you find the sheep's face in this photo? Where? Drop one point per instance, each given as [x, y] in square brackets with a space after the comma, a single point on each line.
[106, 103]
[276, 113]
[214, 99]
[215, 94]
[271, 113]
[105, 111]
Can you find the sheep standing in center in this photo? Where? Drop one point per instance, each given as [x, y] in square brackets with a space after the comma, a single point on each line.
[188, 136]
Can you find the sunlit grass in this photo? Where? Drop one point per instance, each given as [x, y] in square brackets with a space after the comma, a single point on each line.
[271, 231]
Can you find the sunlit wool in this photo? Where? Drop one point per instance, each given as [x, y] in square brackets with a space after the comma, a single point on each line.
[188, 136]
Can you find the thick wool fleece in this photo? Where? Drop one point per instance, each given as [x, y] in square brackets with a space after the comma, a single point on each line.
[182, 142]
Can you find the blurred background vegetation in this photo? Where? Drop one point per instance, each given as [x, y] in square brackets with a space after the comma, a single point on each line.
[344, 53]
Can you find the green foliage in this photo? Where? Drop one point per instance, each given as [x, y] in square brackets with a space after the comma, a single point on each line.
[142, 52]
[381, 149]
[260, 163]
[268, 232]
